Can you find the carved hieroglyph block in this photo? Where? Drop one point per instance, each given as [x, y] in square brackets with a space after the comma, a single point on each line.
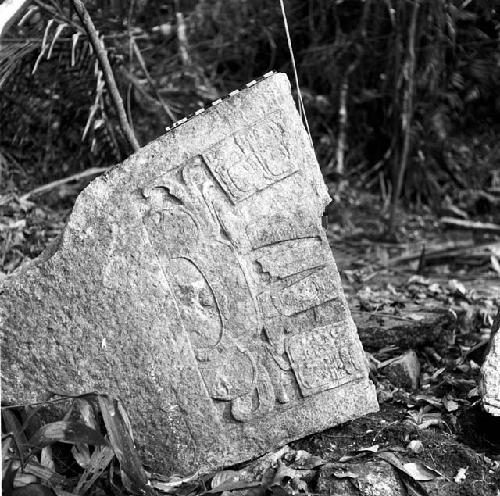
[195, 282]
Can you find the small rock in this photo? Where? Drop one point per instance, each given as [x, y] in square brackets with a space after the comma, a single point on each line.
[416, 446]
[404, 371]
[371, 478]
[384, 396]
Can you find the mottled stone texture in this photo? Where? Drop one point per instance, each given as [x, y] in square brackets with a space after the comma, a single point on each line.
[404, 370]
[490, 376]
[194, 281]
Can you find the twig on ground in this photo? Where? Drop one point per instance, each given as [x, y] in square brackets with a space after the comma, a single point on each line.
[487, 227]
[59, 182]
[447, 252]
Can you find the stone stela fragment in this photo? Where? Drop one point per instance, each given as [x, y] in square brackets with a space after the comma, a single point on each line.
[489, 385]
[194, 281]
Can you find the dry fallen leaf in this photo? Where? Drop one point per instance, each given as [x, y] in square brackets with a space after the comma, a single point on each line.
[456, 287]
[234, 485]
[173, 484]
[285, 472]
[450, 405]
[344, 473]
[461, 475]
[66, 431]
[46, 458]
[435, 288]
[417, 279]
[416, 470]
[420, 472]
[473, 393]
[98, 462]
[81, 454]
[426, 420]
[371, 449]
[304, 460]
[495, 264]
[416, 317]
[224, 476]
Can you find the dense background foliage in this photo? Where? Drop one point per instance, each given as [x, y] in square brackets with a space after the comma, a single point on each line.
[373, 72]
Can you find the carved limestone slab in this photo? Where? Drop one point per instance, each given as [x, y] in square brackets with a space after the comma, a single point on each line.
[195, 282]
[490, 373]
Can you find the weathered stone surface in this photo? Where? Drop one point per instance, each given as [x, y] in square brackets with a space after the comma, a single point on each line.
[194, 281]
[404, 370]
[490, 373]
[368, 478]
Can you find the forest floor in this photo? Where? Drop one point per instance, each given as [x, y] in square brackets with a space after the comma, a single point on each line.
[435, 292]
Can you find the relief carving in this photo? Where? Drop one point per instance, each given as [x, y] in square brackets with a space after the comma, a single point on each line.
[242, 170]
[213, 296]
[286, 258]
[322, 359]
[251, 309]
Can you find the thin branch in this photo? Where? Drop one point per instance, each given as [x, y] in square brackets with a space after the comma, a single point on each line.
[94, 171]
[409, 71]
[486, 227]
[342, 135]
[344, 93]
[182, 40]
[150, 80]
[102, 57]
[130, 55]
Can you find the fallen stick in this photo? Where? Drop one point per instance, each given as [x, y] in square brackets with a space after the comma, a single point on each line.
[59, 182]
[488, 227]
[448, 252]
